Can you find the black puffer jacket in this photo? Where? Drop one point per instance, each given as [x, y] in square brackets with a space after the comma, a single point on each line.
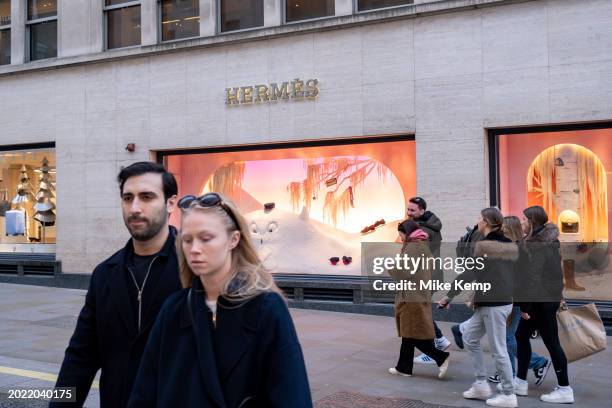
[499, 254]
[540, 276]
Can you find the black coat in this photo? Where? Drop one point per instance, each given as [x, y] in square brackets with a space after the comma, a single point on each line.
[542, 277]
[500, 255]
[106, 335]
[252, 358]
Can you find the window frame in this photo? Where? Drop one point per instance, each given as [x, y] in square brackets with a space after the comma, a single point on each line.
[7, 27]
[28, 37]
[160, 28]
[219, 31]
[357, 11]
[284, 14]
[106, 9]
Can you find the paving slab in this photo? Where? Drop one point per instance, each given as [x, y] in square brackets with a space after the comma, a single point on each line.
[347, 356]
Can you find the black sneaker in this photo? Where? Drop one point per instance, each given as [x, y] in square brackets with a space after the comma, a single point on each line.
[540, 373]
[494, 379]
[458, 336]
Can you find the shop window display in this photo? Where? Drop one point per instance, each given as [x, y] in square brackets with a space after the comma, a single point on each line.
[27, 201]
[314, 204]
[569, 175]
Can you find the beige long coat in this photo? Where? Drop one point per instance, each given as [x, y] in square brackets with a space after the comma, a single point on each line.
[413, 308]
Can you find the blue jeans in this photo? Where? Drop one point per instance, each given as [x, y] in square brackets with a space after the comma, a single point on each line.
[537, 361]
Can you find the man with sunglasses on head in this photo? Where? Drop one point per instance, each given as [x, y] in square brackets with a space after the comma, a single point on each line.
[431, 224]
[126, 291]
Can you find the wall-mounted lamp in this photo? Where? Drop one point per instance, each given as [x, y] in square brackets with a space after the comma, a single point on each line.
[130, 147]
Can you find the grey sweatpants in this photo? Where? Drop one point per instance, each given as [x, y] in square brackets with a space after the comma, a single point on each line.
[492, 321]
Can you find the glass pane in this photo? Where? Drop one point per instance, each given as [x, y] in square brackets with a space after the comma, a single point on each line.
[375, 4]
[5, 47]
[307, 9]
[113, 2]
[180, 19]
[5, 12]
[43, 40]
[123, 27]
[241, 14]
[41, 9]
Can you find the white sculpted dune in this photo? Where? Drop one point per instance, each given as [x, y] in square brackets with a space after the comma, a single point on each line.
[295, 243]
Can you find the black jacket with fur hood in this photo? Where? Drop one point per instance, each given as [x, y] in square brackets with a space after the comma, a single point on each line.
[499, 254]
[541, 277]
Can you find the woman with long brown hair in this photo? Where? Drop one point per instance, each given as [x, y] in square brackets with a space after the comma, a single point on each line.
[539, 364]
[226, 339]
[543, 292]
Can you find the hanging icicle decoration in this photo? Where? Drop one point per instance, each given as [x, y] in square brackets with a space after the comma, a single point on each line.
[335, 173]
[227, 177]
[295, 195]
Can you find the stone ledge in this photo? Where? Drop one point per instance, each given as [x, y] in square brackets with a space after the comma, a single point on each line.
[327, 24]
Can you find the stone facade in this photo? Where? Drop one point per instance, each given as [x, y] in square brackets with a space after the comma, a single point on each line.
[445, 77]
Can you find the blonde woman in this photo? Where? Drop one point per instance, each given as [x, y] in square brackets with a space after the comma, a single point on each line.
[491, 308]
[226, 339]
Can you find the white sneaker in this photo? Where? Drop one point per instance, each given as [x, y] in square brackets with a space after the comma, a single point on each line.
[444, 368]
[520, 387]
[479, 390]
[424, 359]
[394, 371]
[560, 395]
[503, 400]
[442, 343]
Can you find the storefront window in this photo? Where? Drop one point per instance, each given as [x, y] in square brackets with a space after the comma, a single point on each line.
[569, 174]
[364, 5]
[42, 29]
[122, 24]
[311, 203]
[27, 200]
[180, 19]
[306, 9]
[241, 14]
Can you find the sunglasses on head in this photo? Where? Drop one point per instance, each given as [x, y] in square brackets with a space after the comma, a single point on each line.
[207, 200]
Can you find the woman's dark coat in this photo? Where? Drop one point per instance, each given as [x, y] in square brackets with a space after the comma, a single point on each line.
[541, 279]
[252, 358]
[499, 254]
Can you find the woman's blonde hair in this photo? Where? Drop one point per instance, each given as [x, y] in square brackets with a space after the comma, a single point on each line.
[512, 228]
[248, 276]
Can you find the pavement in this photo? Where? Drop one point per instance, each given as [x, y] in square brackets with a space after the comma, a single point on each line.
[346, 354]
